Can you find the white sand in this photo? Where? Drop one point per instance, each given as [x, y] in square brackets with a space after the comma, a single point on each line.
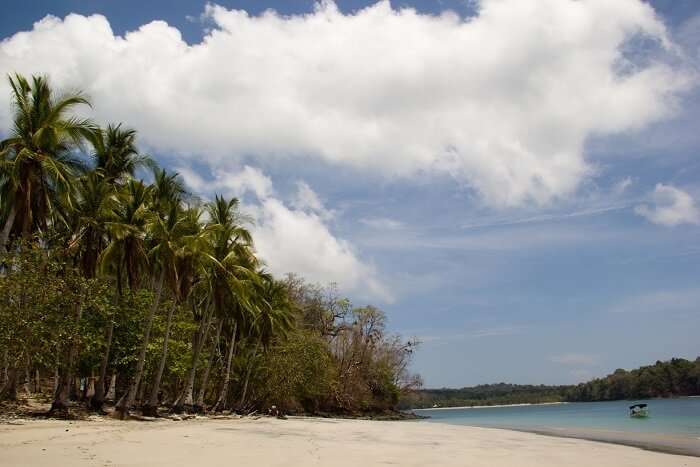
[303, 442]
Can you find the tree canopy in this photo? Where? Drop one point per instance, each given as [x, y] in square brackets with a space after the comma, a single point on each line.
[114, 289]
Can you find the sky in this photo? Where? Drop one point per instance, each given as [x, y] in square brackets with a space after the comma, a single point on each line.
[515, 182]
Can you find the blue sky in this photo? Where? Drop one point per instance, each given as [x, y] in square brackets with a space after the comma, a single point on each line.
[491, 179]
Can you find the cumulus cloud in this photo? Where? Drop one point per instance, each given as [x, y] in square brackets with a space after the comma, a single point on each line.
[502, 101]
[293, 240]
[230, 182]
[306, 199]
[671, 206]
[296, 237]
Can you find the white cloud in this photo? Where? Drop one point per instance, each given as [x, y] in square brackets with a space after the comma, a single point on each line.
[293, 240]
[382, 223]
[503, 101]
[672, 206]
[575, 359]
[622, 185]
[297, 238]
[306, 199]
[230, 182]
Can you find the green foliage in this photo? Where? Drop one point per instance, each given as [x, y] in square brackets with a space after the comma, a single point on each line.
[298, 374]
[39, 291]
[93, 262]
[485, 394]
[128, 318]
[675, 377]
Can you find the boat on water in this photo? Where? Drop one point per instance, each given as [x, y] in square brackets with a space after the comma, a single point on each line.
[639, 411]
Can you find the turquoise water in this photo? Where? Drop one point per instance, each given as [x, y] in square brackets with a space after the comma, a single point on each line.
[666, 416]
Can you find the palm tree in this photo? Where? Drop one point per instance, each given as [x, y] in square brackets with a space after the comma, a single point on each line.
[115, 159]
[274, 320]
[126, 251]
[38, 155]
[115, 153]
[163, 230]
[87, 217]
[242, 310]
[38, 170]
[201, 301]
[231, 261]
[168, 190]
[8, 189]
[171, 242]
[190, 266]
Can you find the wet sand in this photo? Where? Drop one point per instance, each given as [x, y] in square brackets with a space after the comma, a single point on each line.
[660, 442]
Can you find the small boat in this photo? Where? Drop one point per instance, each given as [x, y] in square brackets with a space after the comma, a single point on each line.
[639, 411]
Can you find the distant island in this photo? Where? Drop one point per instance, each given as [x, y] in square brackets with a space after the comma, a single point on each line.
[673, 378]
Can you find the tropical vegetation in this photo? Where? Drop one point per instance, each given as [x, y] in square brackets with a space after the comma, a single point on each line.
[672, 378]
[118, 287]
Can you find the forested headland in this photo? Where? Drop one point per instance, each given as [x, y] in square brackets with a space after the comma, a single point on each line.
[484, 395]
[123, 289]
[674, 378]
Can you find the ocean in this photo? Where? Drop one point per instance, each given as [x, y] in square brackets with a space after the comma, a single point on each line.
[666, 416]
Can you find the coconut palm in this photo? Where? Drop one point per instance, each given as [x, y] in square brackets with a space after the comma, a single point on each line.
[240, 314]
[202, 310]
[8, 189]
[39, 154]
[116, 159]
[273, 320]
[116, 155]
[163, 229]
[232, 262]
[185, 242]
[87, 218]
[168, 189]
[126, 251]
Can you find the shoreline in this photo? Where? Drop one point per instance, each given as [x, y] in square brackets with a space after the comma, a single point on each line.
[679, 445]
[304, 441]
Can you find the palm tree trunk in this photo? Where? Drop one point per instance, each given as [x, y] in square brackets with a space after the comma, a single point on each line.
[152, 404]
[186, 399]
[227, 376]
[8, 391]
[247, 373]
[199, 403]
[128, 401]
[112, 391]
[9, 222]
[98, 399]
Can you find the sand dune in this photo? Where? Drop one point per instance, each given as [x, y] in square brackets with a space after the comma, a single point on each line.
[303, 442]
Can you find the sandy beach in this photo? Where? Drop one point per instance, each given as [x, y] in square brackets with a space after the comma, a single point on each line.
[303, 442]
